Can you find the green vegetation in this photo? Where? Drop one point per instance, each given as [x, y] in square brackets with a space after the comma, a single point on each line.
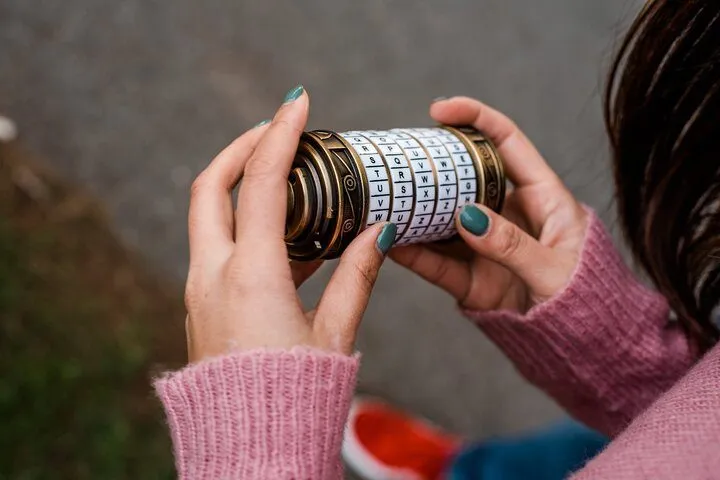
[81, 330]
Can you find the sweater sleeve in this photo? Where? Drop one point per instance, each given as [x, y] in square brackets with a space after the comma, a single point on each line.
[676, 438]
[260, 415]
[603, 348]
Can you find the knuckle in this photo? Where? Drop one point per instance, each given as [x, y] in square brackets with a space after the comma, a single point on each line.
[512, 131]
[508, 241]
[366, 276]
[287, 127]
[512, 126]
[199, 184]
[441, 272]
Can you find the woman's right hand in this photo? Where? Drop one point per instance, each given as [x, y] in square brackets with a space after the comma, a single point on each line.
[514, 261]
[241, 291]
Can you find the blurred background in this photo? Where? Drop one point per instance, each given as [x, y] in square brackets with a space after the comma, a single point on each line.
[120, 104]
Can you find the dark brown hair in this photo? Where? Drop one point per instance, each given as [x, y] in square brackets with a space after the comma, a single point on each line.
[662, 110]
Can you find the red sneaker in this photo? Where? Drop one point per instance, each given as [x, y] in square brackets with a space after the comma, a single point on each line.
[382, 443]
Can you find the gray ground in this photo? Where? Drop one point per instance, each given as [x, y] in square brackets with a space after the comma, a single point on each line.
[132, 98]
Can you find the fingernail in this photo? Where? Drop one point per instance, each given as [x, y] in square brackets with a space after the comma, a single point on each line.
[293, 94]
[264, 122]
[438, 99]
[474, 220]
[386, 238]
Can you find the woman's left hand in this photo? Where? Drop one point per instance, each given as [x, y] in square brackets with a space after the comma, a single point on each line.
[522, 258]
[241, 290]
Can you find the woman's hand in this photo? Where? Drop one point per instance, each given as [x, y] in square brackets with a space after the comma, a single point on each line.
[241, 288]
[514, 262]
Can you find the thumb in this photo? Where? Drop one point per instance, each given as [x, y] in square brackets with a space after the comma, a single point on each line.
[346, 296]
[498, 239]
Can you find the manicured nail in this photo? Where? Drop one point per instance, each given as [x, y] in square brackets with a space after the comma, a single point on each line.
[293, 94]
[438, 99]
[264, 122]
[474, 220]
[386, 238]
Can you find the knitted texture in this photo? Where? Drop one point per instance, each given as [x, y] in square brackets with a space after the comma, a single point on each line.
[677, 438]
[260, 415]
[603, 348]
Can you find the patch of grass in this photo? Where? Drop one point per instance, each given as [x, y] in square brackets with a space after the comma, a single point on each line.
[82, 329]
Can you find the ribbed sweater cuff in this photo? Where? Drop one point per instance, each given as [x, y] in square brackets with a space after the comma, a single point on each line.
[593, 341]
[260, 414]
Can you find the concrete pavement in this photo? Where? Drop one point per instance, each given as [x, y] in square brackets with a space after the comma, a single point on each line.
[131, 99]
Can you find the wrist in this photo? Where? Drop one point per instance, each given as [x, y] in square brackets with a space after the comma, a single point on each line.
[603, 346]
[261, 410]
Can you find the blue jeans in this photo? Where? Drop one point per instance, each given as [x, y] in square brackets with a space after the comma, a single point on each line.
[549, 454]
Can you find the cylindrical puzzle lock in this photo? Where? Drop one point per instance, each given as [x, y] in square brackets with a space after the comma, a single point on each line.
[417, 178]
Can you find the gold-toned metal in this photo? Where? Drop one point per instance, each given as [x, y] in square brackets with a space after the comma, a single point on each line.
[329, 192]
[488, 164]
[299, 202]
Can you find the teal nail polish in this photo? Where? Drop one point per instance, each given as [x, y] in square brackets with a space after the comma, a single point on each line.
[386, 238]
[293, 94]
[264, 122]
[474, 220]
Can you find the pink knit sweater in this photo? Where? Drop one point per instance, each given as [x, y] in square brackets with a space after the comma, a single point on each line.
[602, 348]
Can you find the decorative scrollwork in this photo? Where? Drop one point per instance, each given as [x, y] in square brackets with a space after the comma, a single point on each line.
[350, 182]
[348, 225]
[484, 152]
[492, 190]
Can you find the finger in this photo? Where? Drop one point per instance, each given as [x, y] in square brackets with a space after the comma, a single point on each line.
[503, 242]
[301, 271]
[210, 218]
[454, 248]
[523, 163]
[448, 273]
[262, 200]
[343, 303]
